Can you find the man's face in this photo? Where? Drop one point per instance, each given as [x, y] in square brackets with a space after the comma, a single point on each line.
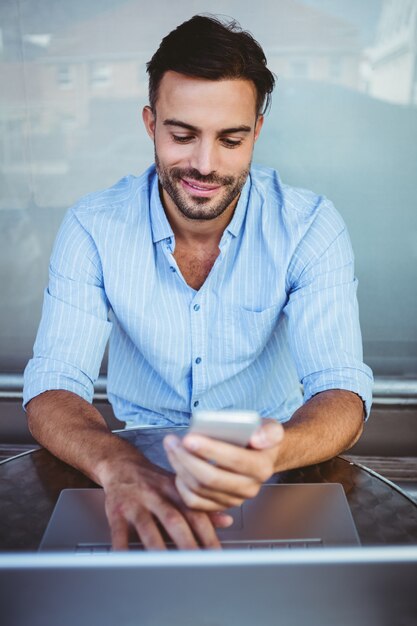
[204, 133]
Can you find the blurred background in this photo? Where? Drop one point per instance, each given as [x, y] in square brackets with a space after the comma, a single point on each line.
[343, 122]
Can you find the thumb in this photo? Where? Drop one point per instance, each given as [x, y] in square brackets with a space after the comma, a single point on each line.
[268, 435]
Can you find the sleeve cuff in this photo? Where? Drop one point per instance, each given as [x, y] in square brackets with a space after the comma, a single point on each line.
[39, 377]
[357, 381]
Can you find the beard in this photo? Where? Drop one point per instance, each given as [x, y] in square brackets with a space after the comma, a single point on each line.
[198, 208]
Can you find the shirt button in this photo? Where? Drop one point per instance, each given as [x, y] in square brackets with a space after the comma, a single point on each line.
[196, 307]
[198, 360]
[172, 268]
[196, 403]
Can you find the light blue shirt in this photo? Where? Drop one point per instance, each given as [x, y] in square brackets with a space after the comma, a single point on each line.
[277, 309]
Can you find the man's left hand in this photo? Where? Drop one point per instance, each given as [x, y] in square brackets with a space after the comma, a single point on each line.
[212, 475]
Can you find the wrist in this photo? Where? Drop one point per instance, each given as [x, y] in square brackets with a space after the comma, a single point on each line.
[117, 460]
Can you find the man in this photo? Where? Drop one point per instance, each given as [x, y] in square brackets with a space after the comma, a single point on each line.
[222, 287]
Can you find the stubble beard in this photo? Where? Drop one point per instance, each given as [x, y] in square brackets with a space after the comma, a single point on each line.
[198, 208]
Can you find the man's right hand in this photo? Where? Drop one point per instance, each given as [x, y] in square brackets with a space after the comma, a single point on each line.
[138, 494]
[144, 497]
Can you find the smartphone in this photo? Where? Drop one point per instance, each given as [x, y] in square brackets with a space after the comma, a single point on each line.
[231, 426]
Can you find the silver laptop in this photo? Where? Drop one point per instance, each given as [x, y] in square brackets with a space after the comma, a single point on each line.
[356, 586]
[280, 517]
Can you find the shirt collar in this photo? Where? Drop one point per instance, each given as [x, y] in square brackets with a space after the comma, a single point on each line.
[161, 228]
[240, 211]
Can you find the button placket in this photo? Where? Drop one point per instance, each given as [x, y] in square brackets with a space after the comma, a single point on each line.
[197, 347]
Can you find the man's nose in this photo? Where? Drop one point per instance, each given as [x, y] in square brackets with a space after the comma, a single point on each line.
[203, 157]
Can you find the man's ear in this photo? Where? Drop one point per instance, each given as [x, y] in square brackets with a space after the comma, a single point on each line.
[149, 120]
[258, 126]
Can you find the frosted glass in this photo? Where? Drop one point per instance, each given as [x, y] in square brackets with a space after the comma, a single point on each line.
[343, 122]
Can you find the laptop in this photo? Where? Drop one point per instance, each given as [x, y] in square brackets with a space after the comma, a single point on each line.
[355, 586]
[280, 516]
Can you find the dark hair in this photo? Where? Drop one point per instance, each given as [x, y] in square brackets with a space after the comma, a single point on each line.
[205, 47]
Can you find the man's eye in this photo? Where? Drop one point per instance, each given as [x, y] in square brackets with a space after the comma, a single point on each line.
[231, 143]
[182, 138]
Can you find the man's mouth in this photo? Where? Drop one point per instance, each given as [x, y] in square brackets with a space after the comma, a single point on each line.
[199, 189]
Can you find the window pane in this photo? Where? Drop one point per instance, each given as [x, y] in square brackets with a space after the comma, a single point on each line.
[343, 123]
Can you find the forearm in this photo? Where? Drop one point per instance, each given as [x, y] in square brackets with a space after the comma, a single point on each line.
[74, 431]
[330, 422]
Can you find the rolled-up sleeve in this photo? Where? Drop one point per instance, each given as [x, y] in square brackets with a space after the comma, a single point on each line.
[74, 326]
[322, 312]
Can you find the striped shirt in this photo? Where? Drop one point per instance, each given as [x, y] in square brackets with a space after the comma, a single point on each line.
[277, 313]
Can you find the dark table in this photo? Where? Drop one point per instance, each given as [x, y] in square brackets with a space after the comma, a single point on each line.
[31, 483]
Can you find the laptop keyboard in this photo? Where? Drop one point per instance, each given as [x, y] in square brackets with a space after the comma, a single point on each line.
[104, 548]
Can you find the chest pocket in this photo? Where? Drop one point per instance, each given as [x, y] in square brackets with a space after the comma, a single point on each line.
[248, 332]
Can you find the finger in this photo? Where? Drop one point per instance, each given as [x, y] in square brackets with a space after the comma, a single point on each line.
[167, 509]
[148, 532]
[201, 465]
[203, 528]
[220, 519]
[177, 527]
[268, 435]
[242, 462]
[209, 481]
[141, 521]
[119, 533]
[211, 502]
[201, 523]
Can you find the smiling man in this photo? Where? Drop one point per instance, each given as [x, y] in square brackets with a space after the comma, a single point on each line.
[219, 287]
